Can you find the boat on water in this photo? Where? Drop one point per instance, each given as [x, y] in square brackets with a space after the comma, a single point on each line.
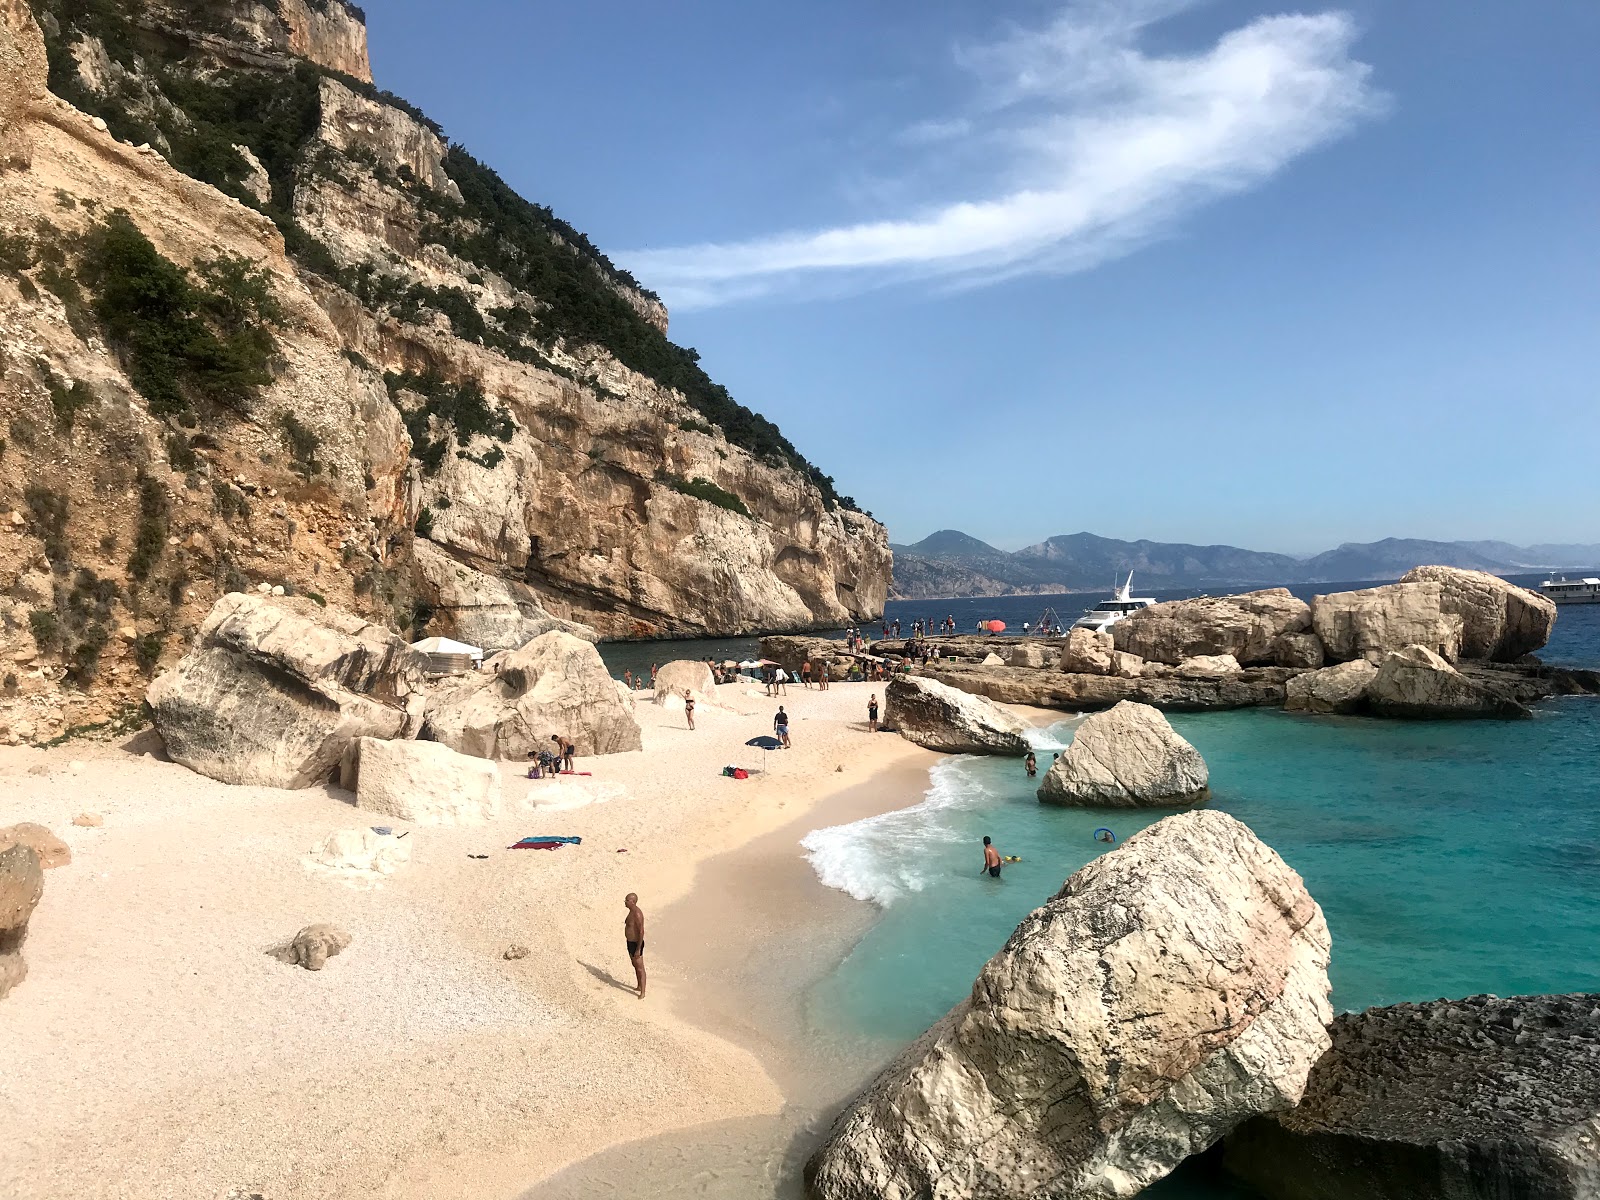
[1572, 591]
[1108, 612]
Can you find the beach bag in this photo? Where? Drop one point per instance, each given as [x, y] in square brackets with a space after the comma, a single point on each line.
[741, 773]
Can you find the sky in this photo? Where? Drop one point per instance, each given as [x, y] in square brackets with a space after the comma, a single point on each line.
[1214, 272]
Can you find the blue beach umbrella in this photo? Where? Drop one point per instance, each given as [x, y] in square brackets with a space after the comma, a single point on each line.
[765, 742]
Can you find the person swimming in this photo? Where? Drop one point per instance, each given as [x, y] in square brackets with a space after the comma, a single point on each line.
[1032, 764]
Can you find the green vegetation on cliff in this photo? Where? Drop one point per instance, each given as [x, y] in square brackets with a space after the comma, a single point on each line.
[164, 87]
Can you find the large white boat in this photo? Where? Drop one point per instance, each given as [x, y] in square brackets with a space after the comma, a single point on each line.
[1108, 612]
[1572, 591]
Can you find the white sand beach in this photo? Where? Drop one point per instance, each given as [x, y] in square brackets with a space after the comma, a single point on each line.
[156, 1049]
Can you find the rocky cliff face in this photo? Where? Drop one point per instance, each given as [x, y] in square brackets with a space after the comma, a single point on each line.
[362, 342]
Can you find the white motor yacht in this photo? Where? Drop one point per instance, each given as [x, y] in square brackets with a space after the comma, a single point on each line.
[1108, 612]
[1571, 591]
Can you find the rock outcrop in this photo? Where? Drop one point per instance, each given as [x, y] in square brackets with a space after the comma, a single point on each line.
[1252, 687]
[1031, 655]
[52, 851]
[21, 885]
[685, 675]
[312, 947]
[1416, 682]
[1246, 626]
[433, 363]
[1172, 989]
[1476, 1099]
[1126, 757]
[1499, 621]
[1298, 650]
[1088, 652]
[792, 652]
[1373, 621]
[426, 783]
[556, 684]
[483, 610]
[939, 717]
[1339, 689]
[1209, 666]
[271, 696]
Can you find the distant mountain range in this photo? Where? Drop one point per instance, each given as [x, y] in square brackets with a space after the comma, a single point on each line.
[952, 563]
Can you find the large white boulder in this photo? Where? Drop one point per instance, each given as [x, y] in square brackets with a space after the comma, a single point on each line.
[1500, 621]
[1172, 989]
[1127, 756]
[556, 684]
[272, 693]
[1088, 652]
[1338, 689]
[685, 675]
[1374, 621]
[426, 783]
[1029, 654]
[1247, 626]
[1416, 682]
[940, 717]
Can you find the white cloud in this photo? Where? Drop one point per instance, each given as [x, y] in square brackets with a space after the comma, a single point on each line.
[1092, 148]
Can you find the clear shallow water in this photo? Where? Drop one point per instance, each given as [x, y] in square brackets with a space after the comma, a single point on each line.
[1449, 858]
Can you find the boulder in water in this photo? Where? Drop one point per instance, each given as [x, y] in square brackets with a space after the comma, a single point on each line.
[1374, 621]
[1416, 682]
[1126, 757]
[1476, 1099]
[1339, 689]
[1174, 988]
[556, 684]
[1499, 620]
[1246, 626]
[271, 694]
[940, 717]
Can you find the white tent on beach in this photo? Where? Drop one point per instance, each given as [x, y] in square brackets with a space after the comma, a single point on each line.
[446, 656]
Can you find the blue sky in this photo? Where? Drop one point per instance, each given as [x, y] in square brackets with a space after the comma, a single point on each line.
[1210, 272]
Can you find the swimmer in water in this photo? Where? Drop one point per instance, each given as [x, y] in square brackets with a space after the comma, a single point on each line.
[1032, 764]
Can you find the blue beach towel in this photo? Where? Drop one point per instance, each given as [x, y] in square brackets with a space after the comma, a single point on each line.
[545, 843]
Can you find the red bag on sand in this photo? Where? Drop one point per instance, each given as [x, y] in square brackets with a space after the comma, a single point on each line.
[741, 773]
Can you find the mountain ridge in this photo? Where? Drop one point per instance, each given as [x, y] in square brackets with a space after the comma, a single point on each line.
[949, 562]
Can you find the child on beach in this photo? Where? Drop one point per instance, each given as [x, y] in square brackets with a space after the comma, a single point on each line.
[780, 726]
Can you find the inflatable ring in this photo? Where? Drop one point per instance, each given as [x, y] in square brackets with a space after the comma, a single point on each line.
[1109, 836]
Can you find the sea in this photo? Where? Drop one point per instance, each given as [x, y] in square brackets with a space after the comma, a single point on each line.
[1450, 858]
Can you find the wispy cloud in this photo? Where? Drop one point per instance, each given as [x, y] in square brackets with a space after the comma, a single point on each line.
[1091, 148]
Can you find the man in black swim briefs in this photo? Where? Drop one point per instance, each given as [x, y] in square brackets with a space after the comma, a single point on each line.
[633, 932]
[991, 858]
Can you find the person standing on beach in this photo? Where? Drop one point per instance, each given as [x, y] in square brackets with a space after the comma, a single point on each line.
[805, 674]
[781, 678]
[780, 726]
[652, 677]
[627, 677]
[688, 707]
[633, 934]
[564, 750]
[822, 679]
[872, 714]
[991, 858]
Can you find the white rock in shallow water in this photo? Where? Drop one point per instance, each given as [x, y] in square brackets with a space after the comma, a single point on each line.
[1127, 756]
[1173, 988]
[939, 717]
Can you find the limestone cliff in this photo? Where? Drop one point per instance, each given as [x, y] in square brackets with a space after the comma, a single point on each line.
[362, 342]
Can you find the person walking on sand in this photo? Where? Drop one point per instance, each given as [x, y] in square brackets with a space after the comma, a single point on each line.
[781, 678]
[688, 707]
[991, 858]
[780, 726]
[564, 750]
[633, 934]
[805, 674]
[872, 713]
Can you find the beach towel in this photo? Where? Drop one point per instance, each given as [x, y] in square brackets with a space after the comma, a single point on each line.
[545, 843]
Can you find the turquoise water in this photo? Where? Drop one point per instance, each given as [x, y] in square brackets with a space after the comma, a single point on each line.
[1449, 858]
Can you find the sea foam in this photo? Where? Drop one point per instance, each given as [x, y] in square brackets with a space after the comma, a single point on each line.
[884, 858]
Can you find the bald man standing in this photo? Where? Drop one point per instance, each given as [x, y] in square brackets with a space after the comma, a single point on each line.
[633, 932]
